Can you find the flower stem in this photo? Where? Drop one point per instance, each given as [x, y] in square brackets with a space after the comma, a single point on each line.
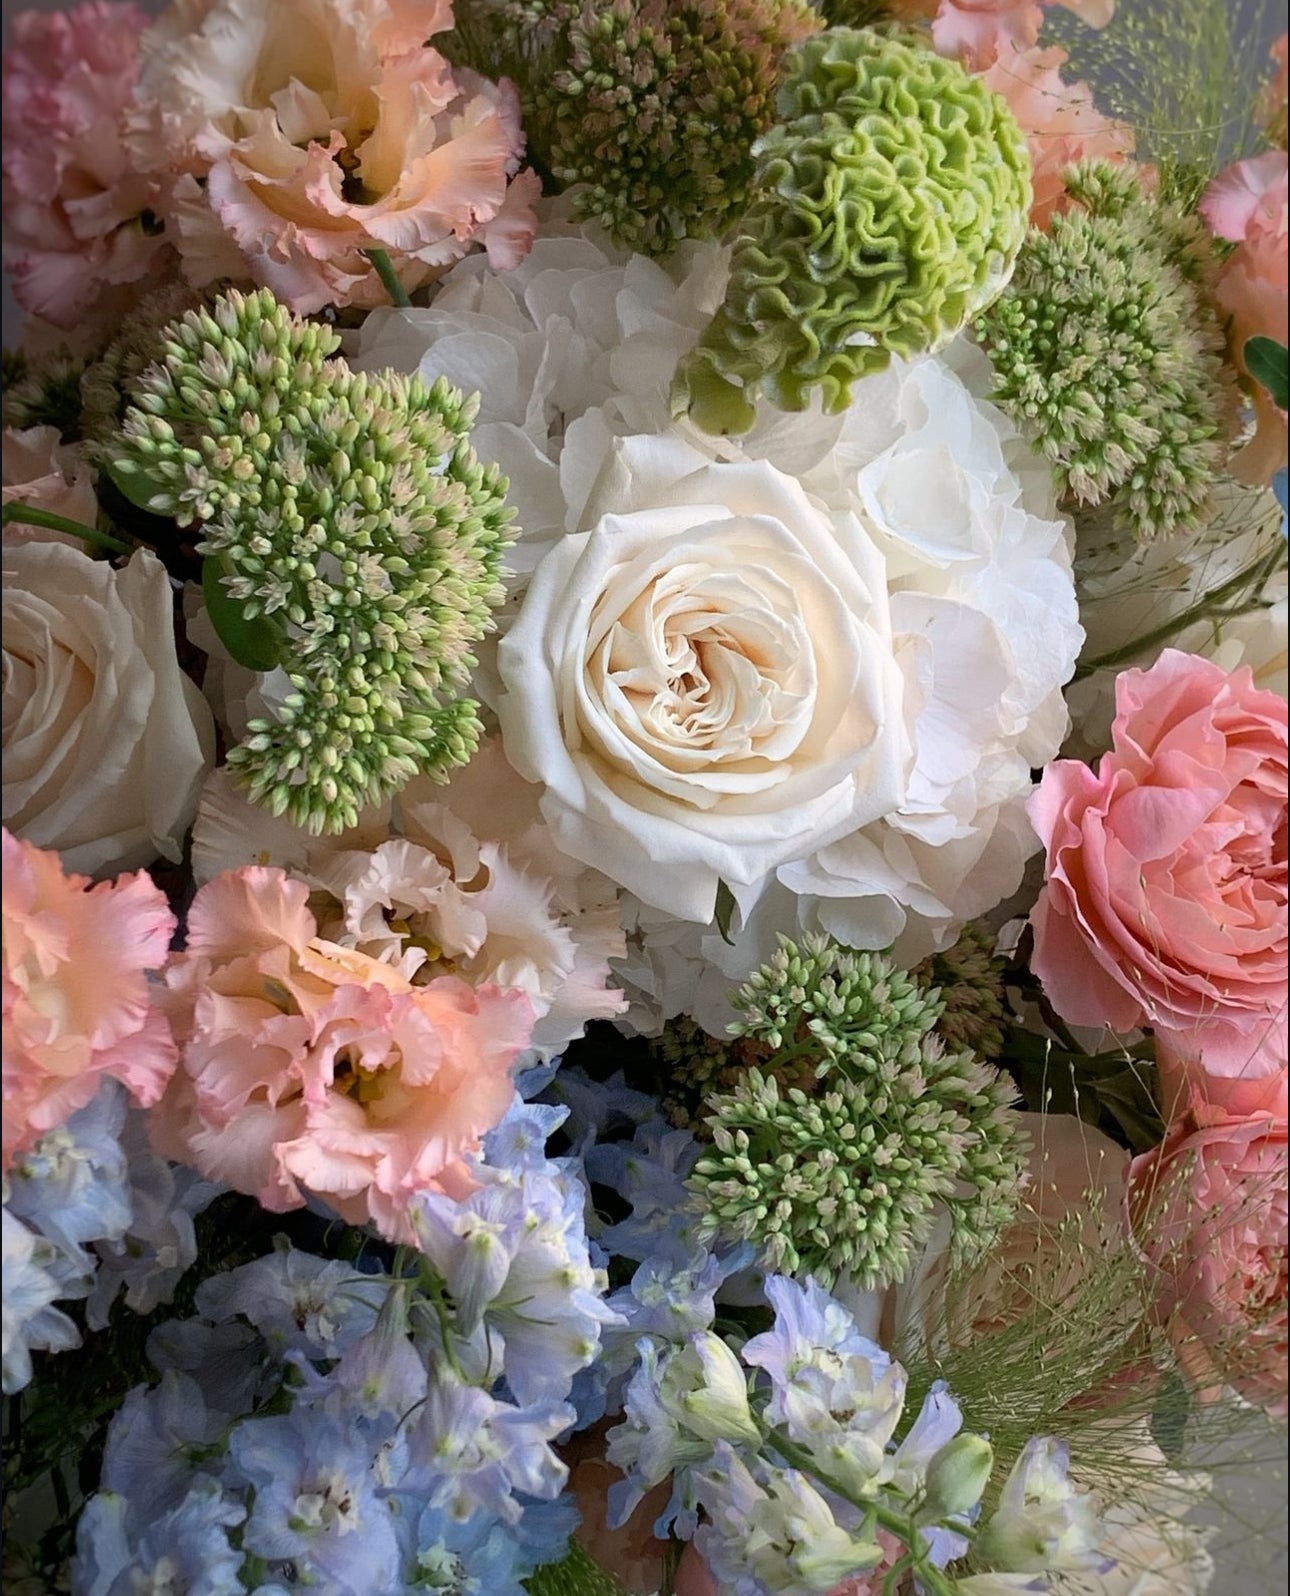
[29, 515]
[1255, 576]
[389, 277]
[933, 1581]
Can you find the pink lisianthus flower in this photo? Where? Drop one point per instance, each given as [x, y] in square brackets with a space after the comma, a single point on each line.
[1165, 896]
[76, 210]
[1210, 1211]
[77, 1004]
[307, 132]
[1060, 120]
[977, 32]
[1248, 205]
[306, 1066]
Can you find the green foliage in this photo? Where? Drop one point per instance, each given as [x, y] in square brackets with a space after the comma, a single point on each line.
[578, 1574]
[351, 524]
[1268, 362]
[647, 109]
[888, 206]
[849, 1178]
[1106, 349]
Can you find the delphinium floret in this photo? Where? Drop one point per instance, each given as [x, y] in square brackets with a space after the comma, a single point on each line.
[848, 1179]
[349, 521]
[1108, 352]
[888, 206]
[648, 109]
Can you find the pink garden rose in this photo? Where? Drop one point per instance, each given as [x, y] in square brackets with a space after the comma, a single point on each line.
[309, 1066]
[76, 997]
[1210, 1209]
[1248, 205]
[1061, 122]
[76, 213]
[1165, 898]
[321, 130]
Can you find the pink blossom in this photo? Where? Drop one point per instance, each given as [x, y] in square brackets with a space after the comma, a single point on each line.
[324, 131]
[1210, 1208]
[977, 32]
[76, 212]
[1247, 204]
[1060, 120]
[309, 1066]
[41, 471]
[76, 997]
[1165, 899]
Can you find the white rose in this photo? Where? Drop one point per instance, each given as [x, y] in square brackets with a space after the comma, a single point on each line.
[704, 681]
[106, 740]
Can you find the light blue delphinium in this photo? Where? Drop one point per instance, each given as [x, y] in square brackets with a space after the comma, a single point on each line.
[298, 1303]
[1042, 1521]
[771, 1529]
[515, 1259]
[72, 1186]
[122, 1550]
[315, 1500]
[649, 1172]
[36, 1275]
[158, 1441]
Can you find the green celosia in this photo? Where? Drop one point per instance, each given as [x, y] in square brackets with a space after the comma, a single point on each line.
[887, 209]
[1108, 352]
[352, 526]
[647, 109]
[969, 977]
[849, 1179]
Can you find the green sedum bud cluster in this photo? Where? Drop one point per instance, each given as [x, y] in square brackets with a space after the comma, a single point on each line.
[888, 207]
[693, 1065]
[849, 1179]
[969, 977]
[350, 533]
[1108, 352]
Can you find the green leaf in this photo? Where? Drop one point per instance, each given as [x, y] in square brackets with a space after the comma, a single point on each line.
[1268, 362]
[257, 643]
[143, 491]
[1170, 1415]
[723, 912]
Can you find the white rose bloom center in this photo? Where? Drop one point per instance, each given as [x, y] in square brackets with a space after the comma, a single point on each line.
[704, 681]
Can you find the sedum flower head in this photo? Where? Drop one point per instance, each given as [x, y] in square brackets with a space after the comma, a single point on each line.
[348, 515]
[888, 206]
[848, 1180]
[969, 978]
[694, 1064]
[44, 391]
[649, 108]
[1106, 349]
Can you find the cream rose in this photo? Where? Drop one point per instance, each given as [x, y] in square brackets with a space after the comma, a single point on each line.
[106, 740]
[703, 680]
[41, 471]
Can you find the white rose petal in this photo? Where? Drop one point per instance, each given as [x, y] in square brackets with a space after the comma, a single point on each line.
[106, 740]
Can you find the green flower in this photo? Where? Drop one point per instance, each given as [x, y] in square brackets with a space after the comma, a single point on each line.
[1107, 352]
[849, 1179]
[969, 979]
[43, 392]
[647, 109]
[351, 536]
[888, 206]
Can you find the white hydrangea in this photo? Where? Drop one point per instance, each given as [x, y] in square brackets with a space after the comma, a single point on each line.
[575, 350]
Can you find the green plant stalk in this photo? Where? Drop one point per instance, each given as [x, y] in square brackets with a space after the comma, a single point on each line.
[1257, 574]
[29, 515]
[389, 278]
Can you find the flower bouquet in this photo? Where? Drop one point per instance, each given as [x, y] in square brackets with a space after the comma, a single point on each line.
[644, 910]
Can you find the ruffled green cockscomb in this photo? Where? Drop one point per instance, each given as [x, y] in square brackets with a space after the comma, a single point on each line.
[646, 109]
[350, 533]
[888, 207]
[1106, 349]
[849, 1178]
